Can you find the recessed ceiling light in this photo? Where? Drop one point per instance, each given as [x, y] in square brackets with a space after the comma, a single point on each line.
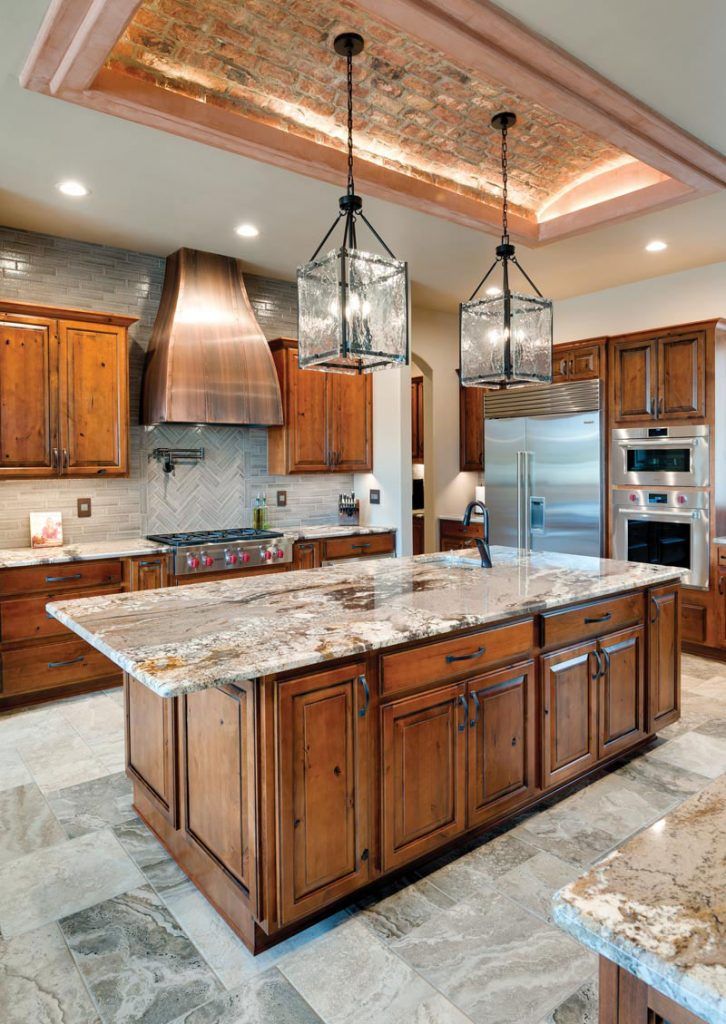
[247, 231]
[72, 188]
[656, 246]
[494, 290]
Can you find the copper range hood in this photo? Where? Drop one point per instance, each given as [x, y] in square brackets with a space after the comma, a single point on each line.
[208, 360]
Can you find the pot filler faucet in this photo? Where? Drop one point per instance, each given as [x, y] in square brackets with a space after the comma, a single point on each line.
[482, 543]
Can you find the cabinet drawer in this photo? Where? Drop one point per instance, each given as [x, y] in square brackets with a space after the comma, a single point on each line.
[45, 666]
[355, 547]
[56, 578]
[451, 659]
[27, 619]
[453, 529]
[573, 625]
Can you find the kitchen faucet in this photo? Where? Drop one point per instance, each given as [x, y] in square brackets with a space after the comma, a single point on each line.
[482, 543]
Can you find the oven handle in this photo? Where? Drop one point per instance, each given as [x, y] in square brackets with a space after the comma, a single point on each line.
[643, 514]
[660, 442]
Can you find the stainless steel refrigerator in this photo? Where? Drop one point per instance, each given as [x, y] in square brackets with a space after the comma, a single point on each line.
[543, 467]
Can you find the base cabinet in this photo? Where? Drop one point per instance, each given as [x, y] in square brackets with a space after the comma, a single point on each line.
[151, 746]
[621, 691]
[569, 705]
[324, 760]
[664, 626]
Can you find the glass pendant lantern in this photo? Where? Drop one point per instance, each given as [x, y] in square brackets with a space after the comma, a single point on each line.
[352, 304]
[505, 339]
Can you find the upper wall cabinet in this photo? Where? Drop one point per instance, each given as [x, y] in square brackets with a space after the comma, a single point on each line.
[581, 360]
[417, 420]
[328, 419]
[64, 407]
[471, 429]
[658, 378]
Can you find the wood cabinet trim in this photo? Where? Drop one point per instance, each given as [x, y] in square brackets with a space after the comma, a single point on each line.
[166, 803]
[21, 310]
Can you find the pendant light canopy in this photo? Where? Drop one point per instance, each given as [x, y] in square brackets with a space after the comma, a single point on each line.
[505, 340]
[352, 305]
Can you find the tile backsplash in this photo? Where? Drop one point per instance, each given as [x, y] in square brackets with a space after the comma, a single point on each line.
[217, 492]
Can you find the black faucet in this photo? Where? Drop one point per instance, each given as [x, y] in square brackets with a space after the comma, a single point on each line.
[482, 543]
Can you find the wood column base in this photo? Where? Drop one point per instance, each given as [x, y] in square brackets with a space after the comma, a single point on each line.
[625, 999]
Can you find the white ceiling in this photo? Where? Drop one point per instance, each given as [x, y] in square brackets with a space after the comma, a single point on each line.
[154, 192]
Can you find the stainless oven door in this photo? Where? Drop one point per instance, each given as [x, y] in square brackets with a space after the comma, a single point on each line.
[664, 537]
[677, 460]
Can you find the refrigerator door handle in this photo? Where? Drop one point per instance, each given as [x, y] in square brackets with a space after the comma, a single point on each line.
[524, 536]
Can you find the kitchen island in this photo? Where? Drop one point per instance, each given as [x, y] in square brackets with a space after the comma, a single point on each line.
[294, 738]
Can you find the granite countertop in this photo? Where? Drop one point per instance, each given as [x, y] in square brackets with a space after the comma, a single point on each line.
[13, 558]
[720, 540]
[334, 530]
[191, 638]
[657, 906]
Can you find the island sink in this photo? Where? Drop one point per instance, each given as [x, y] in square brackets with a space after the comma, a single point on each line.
[295, 739]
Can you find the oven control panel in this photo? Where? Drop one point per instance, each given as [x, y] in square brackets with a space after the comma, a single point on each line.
[667, 498]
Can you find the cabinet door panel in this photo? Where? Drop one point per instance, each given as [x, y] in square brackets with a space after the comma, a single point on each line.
[148, 573]
[634, 381]
[323, 765]
[570, 713]
[585, 363]
[219, 755]
[664, 660]
[501, 757]
[424, 751]
[94, 399]
[350, 412]
[151, 755]
[471, 429]
[622, 691]
[309, 417]
[682, 376]
[28, 388]
[560, 364]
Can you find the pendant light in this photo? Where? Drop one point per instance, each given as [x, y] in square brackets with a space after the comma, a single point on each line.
[505, 340]
[352, 305]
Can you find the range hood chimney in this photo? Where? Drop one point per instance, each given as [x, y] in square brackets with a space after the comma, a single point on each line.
[208, 360]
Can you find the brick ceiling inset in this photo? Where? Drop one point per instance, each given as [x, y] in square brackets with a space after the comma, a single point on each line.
[415, 111]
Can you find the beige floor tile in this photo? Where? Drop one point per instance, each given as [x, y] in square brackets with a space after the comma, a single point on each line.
[26, 822]
[65, 762]
[697, 752]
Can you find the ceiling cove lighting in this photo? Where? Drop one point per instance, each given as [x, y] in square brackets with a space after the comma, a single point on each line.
[247, 231]
[656, 246]
[505, 340]
[352, 304]
[72, 188]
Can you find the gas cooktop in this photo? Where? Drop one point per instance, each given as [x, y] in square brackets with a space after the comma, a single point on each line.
[204, 551]
[197, 537]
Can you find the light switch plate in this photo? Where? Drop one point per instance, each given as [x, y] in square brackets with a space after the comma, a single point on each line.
[282, 499]
[84, 508]
[374, 496]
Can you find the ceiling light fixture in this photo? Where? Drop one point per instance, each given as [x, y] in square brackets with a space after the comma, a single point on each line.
[247, 231]
[656, 246]
[72, 188]
[352, 305]
[505, 340]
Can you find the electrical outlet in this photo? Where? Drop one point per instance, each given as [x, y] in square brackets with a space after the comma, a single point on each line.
[84, 508]
[282, 499]
[374, 496]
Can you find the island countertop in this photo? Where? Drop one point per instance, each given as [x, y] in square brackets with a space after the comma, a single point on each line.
[657, 906]
[183, 639]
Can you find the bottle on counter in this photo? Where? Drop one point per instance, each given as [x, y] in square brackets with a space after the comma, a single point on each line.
[259, 513]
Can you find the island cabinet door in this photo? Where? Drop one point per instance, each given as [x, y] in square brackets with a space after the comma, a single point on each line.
[569, 706]
[324, 771]
[151, 746]
[424, 773]
[501, 756]
[621, 691]
[664, 658]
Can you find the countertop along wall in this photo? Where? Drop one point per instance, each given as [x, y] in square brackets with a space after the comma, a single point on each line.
[215, 493]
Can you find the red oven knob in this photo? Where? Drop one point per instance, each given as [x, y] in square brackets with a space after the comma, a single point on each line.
[231, 558]
[681, 499]
[267, 555]
[245, 556]
[192, 561]
[207, 561]
[633, 497]
[279, 553]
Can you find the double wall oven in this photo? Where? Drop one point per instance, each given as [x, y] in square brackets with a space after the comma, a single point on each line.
[660, 506]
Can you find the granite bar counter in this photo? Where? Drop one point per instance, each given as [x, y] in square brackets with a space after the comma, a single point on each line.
[87, 551]
[294, 738]
[656, 908]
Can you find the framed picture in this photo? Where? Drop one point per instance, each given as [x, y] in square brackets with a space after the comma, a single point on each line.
[46, 529]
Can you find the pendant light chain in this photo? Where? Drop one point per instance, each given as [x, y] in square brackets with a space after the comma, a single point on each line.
[505, 197]
[351, 184]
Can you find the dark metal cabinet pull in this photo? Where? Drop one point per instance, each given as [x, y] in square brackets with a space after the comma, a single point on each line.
[60, 579]
[465, 708]
[155, 562]
[61, 664]
[598, 663]
[598, 618]
[465, 657]
[473, 722]
[367, 694]
[359, 547]
[606, 658]
[721, 581]
[656, 609]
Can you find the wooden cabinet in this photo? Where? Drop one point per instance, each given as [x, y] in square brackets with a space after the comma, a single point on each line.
[417, 420]
[64, 408]
[502, 767]
[453, 534]
[358, 545]
[582, 360]
[664, 663]
[721, 606]
[328, 419]
[569, 705]
[656, 378]
[418, 530]
[424, 773]
[148, 573]
[471, 429]
[151, 746]
[306, 555]
[324, 763]
[621, 689]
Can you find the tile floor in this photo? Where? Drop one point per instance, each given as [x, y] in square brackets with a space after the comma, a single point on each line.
[99, 926]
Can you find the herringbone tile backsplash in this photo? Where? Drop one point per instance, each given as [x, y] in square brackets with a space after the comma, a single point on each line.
[215, 493]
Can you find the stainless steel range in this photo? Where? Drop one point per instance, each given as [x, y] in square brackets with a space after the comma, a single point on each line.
[208, 551]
